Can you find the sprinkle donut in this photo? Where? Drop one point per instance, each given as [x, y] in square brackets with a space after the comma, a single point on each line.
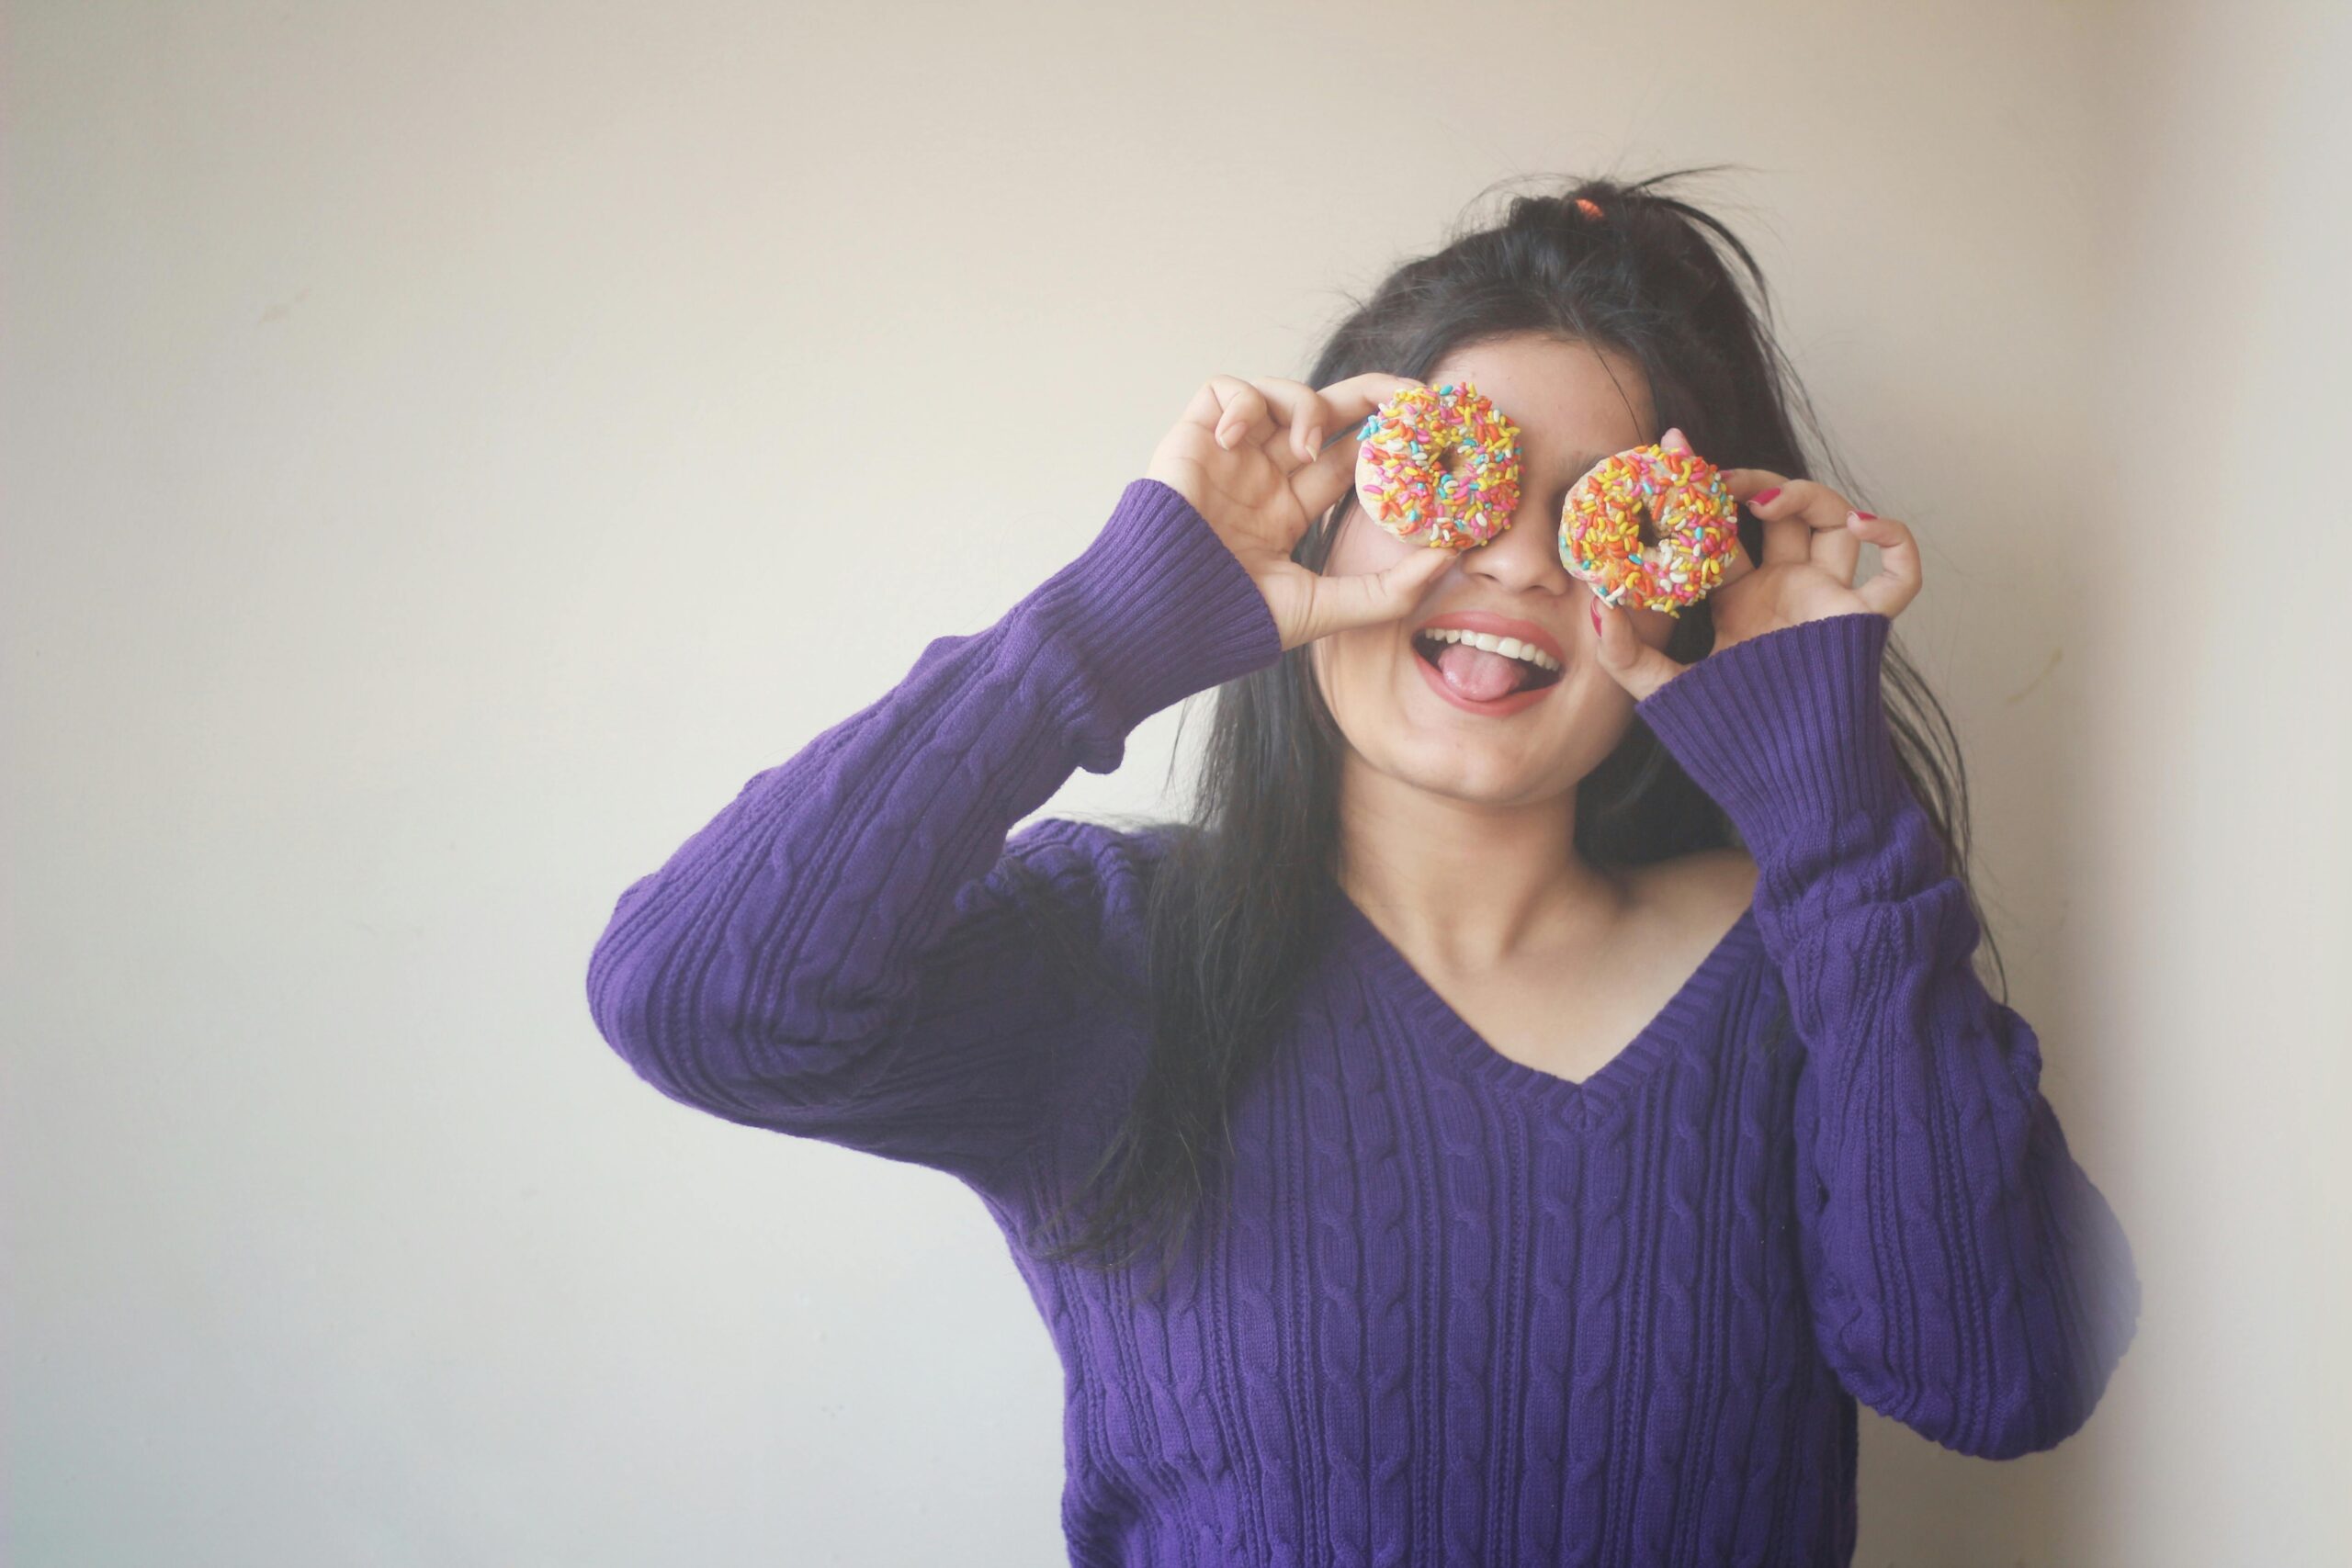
[1691, 509]
[1404, 478]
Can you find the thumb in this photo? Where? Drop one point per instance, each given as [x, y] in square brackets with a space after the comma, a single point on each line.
[1341, 603]
[1631, 663]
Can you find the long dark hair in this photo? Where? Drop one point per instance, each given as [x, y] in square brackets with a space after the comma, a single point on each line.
[1238, 901]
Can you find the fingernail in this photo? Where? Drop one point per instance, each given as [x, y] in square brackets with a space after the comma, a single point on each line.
[1764, 497]
[1596, 616]
[1315, 441]
[1865, 516]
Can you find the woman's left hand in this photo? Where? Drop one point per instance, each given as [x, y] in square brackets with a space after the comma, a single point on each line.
[1813, 541]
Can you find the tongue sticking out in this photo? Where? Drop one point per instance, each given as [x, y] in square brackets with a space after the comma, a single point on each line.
[1482, 676]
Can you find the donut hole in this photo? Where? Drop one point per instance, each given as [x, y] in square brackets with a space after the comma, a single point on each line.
[1646, 522]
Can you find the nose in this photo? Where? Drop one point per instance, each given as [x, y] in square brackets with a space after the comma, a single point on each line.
[1524, 554]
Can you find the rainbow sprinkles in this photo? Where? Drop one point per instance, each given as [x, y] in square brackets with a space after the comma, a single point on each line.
[1405, 479]
[1694, 520]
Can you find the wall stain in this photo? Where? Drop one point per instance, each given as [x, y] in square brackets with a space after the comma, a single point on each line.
[2018, 696]
[279, 313]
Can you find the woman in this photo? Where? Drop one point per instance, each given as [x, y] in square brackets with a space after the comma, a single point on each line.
[1547, 1119]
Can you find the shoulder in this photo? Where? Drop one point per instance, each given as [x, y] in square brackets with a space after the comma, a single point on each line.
[1099, 869]
[1709, 888]
[1065, 847]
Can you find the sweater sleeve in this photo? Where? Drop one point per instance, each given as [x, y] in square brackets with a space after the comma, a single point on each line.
[842, 952]
[1965, 1276]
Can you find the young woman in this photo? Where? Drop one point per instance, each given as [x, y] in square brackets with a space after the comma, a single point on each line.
[1545, 1116]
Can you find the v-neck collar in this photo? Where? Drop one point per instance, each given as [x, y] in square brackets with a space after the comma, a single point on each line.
[1459, 1046]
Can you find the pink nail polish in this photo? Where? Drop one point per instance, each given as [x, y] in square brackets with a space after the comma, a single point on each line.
[1764, 497]
[1866, 516]
[1595, 617]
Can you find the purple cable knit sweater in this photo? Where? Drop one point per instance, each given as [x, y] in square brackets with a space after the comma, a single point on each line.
[1463, 1311]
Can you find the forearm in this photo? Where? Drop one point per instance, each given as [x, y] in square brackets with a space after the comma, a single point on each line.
[1967, 1276]
[789, 943]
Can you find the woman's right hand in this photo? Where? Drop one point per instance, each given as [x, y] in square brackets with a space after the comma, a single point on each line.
[1258, 458]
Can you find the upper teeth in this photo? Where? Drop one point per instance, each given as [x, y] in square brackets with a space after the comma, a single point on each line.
[1508, 647]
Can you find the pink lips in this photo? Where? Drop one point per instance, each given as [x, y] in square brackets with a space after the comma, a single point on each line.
[1497, 626]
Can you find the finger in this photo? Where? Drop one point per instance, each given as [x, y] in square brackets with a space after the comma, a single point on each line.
[1237, 411]
[1897, 580]
[1321, 483]
[1350, 401]
[1631, 663]
[1296, 408]
[1838, 552]
[1791, 510]
[1745, 482]
[1828, 542]
[1241, 413]
[1675, 441]
[1783, 541]
[1345, 405]
[1735, 565]
[1370, 598]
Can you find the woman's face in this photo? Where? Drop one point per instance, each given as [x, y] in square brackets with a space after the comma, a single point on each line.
[1573, 405]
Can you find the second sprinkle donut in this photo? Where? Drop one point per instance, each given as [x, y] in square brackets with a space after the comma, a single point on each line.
[1691, 512]
[1402, 475]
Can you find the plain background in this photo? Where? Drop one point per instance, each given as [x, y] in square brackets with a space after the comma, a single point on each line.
[449, 448]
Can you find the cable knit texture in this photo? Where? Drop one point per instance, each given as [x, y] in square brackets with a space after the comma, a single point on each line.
[1461, 1310]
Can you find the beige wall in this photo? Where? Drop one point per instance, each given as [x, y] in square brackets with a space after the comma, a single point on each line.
[2205, 794]
[428, 498]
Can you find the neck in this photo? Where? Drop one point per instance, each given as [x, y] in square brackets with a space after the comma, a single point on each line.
[1471, 880]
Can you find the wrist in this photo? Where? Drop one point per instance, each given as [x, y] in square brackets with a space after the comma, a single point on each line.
[1786, 726]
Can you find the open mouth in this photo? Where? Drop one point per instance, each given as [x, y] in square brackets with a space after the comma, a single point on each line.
[1480, 667]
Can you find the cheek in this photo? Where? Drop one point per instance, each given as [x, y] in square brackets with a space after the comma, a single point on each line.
[1364, 545]
[1352, 668]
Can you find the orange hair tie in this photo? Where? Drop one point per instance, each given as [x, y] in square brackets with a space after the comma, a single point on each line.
[1590, 209]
